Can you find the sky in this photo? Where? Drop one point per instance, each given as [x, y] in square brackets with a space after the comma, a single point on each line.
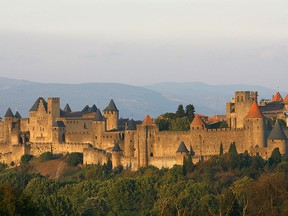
[142, 42]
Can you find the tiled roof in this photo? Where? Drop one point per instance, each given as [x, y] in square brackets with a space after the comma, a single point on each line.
[277, 133]
[67, 108]
[9, 113]
[111, 106]
[286, 99]
[17, 115]
[182, 148]
[147, 120]
[277, 97]
[98, 116]
[254, 111]
[117, 148]
[36, 104]
[197, 122]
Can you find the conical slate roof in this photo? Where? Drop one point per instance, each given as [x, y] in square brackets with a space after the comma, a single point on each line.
[36, 104]
[58, 124]
[182, 148]
[254, 111]
[98, 116]
[85, 109]
[147, 120]
[116, 148]
[93, 108]
[9, 113]
[277, 133]
[197, 122]
[111, 106]
[277, 97]
[131, 125]
[17, 115]
[67, 108]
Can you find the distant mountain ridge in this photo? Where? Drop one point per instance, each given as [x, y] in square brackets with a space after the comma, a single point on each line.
[132, 101]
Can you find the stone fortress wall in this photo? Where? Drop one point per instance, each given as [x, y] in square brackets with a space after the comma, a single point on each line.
[98, 137]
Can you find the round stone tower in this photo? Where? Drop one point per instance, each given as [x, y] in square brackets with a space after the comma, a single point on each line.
[117, 153]
[277, 138]
[181, 152]
[256, 128]
[111, 114]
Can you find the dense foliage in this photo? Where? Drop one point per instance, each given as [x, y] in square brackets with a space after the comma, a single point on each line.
[228, 184]
[178, 121]
[74, 158]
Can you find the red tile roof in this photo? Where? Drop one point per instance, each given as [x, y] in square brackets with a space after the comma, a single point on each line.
[286, 99]
[147, 120]
[277, 97]
[254, 111]
[197, 122]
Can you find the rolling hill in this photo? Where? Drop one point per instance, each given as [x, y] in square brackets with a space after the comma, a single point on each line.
[132, 101]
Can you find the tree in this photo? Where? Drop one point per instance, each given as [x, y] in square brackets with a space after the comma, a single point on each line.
[275, 157]
[180, 111]
[232, 148]
[180, 124]
[221, 149]
[163, 124]
[190, 110]
[46, 156]
[26, 158]
[74, 158]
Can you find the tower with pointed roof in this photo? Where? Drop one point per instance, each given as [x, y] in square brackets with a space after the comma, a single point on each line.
[181, 152]
[8, 125]
[277, 97]
[256, 127]
[277, 138]
[197, 123]
[111, 115]
[146, 141]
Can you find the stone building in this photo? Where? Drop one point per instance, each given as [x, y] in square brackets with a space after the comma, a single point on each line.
[99, 137]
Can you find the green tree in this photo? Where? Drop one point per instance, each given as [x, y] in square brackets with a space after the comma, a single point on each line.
[180, 124]
[74, 158]
[46, 156]
[275, 157]
[26, 158]
[221, 149]
[163, 124]
[190, 110]
[180, 111]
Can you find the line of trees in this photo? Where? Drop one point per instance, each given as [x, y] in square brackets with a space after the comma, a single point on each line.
[227, 184]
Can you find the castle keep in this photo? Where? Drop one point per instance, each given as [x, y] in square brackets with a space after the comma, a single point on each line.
[99, 137]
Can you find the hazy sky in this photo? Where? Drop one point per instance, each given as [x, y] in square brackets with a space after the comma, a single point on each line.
[145, 41]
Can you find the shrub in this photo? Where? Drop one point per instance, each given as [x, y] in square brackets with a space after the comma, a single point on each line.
[46, 156]
[2, 166]
[26, 158]
[74, 159]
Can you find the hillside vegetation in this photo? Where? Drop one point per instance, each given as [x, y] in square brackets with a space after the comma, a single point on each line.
[228, 184]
